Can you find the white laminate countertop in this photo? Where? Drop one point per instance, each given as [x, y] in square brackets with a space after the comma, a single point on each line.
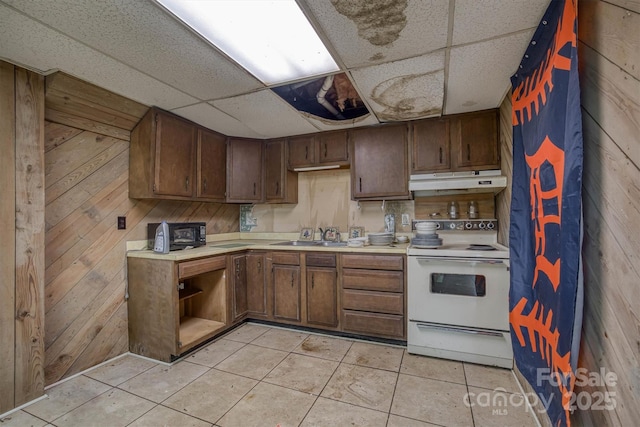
[221, 244]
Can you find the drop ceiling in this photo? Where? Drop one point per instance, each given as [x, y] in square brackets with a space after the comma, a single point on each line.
[407, 59]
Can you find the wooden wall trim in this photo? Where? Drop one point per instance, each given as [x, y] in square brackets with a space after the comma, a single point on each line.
[29, 263]
[503, 199]
[7, 228]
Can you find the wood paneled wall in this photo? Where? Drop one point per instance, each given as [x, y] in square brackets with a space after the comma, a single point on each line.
[609, 58]
[22, 230]
[503, 199]
[87, 160]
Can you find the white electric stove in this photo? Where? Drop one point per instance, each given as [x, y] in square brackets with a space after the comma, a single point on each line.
[458, 295]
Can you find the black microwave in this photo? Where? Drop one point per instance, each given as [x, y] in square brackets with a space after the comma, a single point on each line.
[181, 234]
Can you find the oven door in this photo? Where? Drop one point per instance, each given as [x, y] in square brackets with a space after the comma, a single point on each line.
[459, 291]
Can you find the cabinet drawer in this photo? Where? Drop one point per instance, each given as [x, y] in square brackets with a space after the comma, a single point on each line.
[321, 260]
[199, 266]
[380, 302]
[375, 262]
[384, 325]
[374, 280]
[290, 258]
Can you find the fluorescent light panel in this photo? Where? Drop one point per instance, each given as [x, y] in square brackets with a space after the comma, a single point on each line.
[273, 40]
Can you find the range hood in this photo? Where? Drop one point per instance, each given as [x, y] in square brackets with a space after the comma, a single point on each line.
[436, 184]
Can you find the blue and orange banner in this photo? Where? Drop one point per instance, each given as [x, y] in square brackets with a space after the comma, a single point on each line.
[545, 300]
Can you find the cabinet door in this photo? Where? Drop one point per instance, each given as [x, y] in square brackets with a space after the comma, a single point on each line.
[475, 140]
[212, 165]
[244, 167]
[430, 146]
[281, 185]
[322, 291]
[174, 156]
[239, 266]
[302, 151]
[286, 292]
[333, 148]
[379, 168]
[256, 284]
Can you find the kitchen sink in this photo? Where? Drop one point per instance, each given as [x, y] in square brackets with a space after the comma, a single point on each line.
[332, 244]
[296, 243]
[309, 243]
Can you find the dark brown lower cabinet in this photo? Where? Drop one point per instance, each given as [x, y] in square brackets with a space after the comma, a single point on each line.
[322, 296]
[373, 298]
[239, 287]
[286, 292]
[256, 284]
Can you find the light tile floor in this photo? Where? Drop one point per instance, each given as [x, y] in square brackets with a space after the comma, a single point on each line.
[262, 376]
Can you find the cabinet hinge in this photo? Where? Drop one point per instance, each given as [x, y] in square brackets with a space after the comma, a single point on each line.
[154, 187]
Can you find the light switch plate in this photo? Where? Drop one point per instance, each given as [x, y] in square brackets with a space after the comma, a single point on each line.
[405, 219]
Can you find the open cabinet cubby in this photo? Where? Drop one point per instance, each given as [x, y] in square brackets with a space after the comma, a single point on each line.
[175, 306]
[202, 308]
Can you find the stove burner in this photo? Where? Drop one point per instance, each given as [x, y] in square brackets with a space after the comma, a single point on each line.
[481, 248]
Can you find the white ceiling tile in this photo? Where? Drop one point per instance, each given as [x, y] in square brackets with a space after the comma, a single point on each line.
[145, 37]
[404, 90]
[480, 73]
[476, 20]
[26, 42]
[382, 31]
[265, 113]
[210, 117]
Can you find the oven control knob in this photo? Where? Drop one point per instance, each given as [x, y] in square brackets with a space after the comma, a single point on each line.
[468, 226]
[452, 225]
[491, 225]
[481, 225]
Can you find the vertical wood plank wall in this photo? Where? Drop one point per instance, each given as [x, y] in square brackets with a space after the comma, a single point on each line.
[609, 60]
[87, 167]
[7, 228]
[22, 228]
[503, 199]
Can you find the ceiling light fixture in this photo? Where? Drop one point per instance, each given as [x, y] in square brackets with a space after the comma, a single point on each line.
[273, 40]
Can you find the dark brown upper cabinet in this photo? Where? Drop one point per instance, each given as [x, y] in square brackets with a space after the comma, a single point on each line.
[455, 143]
[321, 149]
[379, 164]
[430, 146]
[281, 185]
[162, 157]
[211, 166]
[474, 140]
[245, 170]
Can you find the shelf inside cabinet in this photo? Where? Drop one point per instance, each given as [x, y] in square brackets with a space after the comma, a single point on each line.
[188, 293]
[193, 329]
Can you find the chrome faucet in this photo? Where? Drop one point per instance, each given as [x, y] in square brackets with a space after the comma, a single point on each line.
[321, 234]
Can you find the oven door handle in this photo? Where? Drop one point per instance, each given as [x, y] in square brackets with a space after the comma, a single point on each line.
[443, 328]
[491, 261]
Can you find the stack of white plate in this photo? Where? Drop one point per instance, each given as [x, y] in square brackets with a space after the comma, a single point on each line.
[381, 239]
[426, 236]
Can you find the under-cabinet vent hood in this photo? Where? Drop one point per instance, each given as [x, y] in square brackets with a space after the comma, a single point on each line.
[444, 183]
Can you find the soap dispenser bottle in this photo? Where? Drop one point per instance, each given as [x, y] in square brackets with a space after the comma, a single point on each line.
[161, 244]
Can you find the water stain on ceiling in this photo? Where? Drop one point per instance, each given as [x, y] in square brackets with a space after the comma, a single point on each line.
[378, 21]
[398, 97]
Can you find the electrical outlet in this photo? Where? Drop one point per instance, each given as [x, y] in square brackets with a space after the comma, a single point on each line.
[122, 223]
[405, 219]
